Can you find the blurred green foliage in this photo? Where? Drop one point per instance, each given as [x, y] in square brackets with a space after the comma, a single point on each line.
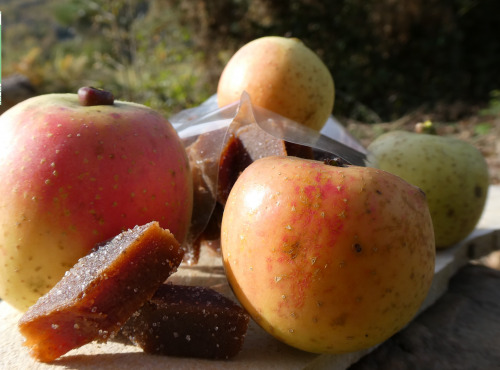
[493, 108]
[134, 48]
[387, 57]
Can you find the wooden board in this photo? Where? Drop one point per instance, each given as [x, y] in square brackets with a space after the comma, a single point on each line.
[260, 350]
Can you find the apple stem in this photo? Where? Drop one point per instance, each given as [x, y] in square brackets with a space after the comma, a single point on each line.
[89, 96]
[336, 162]
[425, 128]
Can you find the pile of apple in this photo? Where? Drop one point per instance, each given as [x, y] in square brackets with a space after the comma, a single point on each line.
[326, 257]
[335, 259]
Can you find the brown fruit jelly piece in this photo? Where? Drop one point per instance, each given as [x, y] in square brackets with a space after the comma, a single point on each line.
[103, 289]
[210, 237]
[203, 154]
[245, 145]
[188, 321]
[214, 161]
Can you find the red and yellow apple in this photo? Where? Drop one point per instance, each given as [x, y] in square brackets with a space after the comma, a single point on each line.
[327, 259]
[74, 175]
[282, 75]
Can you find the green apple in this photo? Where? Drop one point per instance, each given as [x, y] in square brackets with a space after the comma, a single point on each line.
[77, 170]
[282, 75]
[452, 173]
[327, 259]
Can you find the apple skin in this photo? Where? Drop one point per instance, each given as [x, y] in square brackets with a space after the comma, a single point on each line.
[74, 176]
[452, 173]
[327, 259]
[282, 75]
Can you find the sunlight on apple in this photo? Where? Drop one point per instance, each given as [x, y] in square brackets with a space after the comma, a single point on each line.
[254, 198]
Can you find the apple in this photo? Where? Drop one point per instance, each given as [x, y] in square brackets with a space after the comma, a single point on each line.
[328, 259]
[282, 75]
[452, 173]
[77, 170]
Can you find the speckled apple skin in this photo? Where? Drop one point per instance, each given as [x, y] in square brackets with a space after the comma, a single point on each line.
[327, 259]
[452, 173]
[282, 75]
[73, 176]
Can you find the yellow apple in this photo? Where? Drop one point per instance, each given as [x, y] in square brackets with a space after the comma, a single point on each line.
[452, 173]
[282, 75]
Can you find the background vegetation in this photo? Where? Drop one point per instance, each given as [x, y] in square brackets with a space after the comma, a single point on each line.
[387, 57]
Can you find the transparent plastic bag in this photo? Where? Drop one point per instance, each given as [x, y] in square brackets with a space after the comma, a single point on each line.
[221, 142]
[208, 115]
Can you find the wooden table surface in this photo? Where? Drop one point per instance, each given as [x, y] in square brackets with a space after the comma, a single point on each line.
[260, 350]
